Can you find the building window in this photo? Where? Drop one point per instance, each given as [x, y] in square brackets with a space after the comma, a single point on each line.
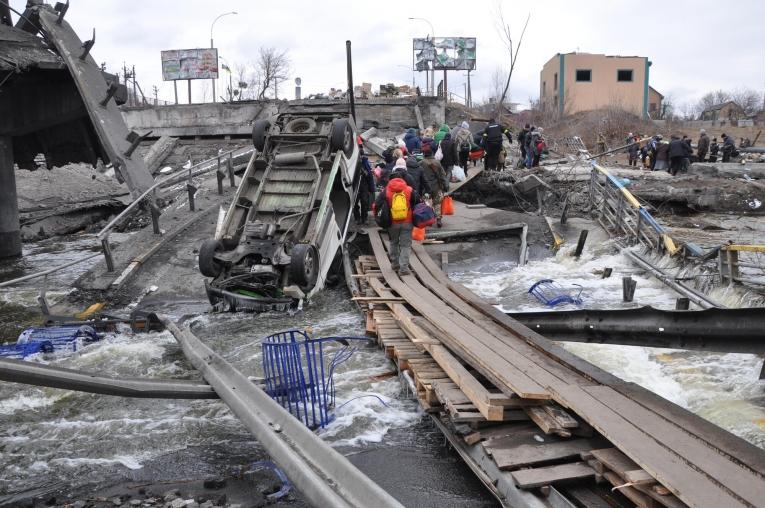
[584, 75]
[544, 87]
[652, 107]
[555, 81]
[624, 75]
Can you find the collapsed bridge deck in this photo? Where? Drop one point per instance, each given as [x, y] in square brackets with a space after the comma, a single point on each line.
[697, 462]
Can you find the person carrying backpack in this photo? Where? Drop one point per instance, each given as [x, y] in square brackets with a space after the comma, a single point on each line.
[436, 182]
[463, 140]
[393, 211]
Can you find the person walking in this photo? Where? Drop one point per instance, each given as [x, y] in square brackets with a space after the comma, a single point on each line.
[714, 149]
[522, 141]
[366, 192]
[449, 154]
[492, 138]
[463, 140]
[531, 145]
[442, 132]
[729, 145]
[686, 163]
[702, 146]
[436, 182]
[661, 159]
[633, 149]
[400, 200]
[398, 167]
[416, 175]
[677, 150]
[412, 141]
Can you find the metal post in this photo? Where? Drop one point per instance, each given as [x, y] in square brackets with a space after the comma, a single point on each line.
[580, 243]
[10, 228]
[135, 92]
[619, 212]
[446, 93]
[230, 167]
[607, 272]
[637, 229]
[175, 89]
[189, 91]
[349, 63]
[682, 303]
[220, 177]
[732, 258]
[155, 218]
[628, 288]
[592, 189]
[192, 192]
[107, 254]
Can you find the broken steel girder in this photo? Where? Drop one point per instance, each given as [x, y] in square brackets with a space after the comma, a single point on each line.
[104, 114]
[715, 329]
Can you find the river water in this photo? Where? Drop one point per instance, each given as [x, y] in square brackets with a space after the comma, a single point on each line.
[58, 440]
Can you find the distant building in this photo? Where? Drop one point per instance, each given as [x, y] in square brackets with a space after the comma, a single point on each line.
[655, 100]
[726, 111]
[574, 82]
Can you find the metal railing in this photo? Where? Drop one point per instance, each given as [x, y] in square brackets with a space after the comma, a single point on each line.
[623, 213]
[188, 175]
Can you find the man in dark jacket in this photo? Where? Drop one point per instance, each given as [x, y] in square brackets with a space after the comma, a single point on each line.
[714, 149]
[492, 137]
[522, 141]
[436, 182]
[415, 171]
[400, 231]
[702, 146]
[412, 141]
[729, 145]
[661, 157]
[677, 150]
[449, 152]
[366, 191]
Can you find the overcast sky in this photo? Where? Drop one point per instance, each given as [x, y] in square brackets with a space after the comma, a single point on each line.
[695, 46]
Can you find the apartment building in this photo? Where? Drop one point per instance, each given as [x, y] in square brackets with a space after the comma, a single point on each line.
[574, 82]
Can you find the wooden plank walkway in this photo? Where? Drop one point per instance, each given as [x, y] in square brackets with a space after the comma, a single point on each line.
[674, 463]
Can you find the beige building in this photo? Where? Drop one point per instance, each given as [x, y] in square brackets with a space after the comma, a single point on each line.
[726, 111]
[575, 82]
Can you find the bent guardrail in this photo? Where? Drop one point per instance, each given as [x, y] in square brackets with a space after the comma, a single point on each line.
[174, 179]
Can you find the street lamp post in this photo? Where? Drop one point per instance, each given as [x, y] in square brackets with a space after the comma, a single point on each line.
[433, 70]
[213, 46]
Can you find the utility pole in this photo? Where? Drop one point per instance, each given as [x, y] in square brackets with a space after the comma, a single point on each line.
[135, 94]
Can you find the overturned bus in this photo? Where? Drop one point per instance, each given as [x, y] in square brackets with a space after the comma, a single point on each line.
[283, 233]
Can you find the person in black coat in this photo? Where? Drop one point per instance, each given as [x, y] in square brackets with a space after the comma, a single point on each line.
[417, 175]
[677, 151]
[366, 192]
[450, 154]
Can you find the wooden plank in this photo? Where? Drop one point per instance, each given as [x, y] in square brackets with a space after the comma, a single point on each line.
[631, 493]
[691, 486]
[661, 500]
[638, 477]
[529, 455]
[546, 423]
[472, 438]
[560, 415]
[737, 479]
[427, 304]
[475, 391]
[532, 478]
[616, 461]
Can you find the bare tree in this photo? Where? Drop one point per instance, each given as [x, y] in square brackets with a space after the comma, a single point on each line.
[507, 39]
[271, 67]
[750, 100]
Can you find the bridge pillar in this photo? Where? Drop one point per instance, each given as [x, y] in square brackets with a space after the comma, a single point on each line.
[10, 234]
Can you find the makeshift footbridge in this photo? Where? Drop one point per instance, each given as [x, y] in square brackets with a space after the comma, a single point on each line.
[540, 426]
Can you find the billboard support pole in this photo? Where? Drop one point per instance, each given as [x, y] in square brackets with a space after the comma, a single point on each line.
[349, 62]
[446, 89]
[189, 91]
[175, 89]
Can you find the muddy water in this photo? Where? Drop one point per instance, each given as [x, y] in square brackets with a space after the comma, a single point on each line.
[60, 441]
[723, 388]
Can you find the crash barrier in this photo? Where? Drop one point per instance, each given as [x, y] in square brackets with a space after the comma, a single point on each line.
[216, 163]
[551, 293]
[624, 214]
[299, 377]
[52, 339]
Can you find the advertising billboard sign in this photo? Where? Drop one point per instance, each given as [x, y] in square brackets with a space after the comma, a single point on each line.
[445, 53]
[190, 64]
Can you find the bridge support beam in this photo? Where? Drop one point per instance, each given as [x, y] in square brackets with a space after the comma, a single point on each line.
[10, 230]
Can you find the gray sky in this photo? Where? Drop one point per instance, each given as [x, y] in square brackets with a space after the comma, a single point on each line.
[695, 46]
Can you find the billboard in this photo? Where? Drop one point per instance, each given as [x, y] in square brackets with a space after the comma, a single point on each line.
[445, 53]
[190, 64]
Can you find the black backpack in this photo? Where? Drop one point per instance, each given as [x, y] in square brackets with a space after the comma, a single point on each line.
[383, 217]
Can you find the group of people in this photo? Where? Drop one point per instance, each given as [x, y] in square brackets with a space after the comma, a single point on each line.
[676, 154]
[532, 144]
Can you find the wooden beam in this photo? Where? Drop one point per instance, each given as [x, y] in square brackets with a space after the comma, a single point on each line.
[532, 478]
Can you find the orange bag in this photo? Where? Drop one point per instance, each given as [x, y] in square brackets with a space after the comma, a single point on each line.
[418, 234]
[447, 205]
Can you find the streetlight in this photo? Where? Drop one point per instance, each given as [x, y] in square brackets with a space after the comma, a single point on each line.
[213, 46]
[433, 38]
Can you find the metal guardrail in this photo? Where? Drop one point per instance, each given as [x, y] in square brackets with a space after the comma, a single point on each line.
[624, 213]
[193, 171]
